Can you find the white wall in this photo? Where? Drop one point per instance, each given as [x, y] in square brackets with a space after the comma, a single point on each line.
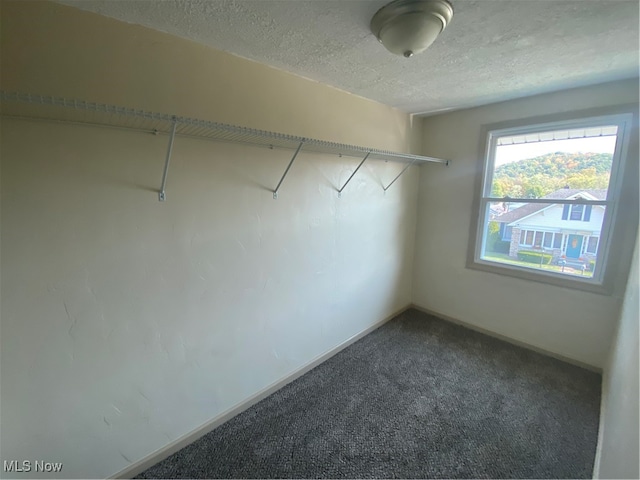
[618, 443]
[127, 323]
[571, 323]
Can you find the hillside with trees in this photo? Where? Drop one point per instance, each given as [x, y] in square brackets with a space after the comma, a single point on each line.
[539, 176]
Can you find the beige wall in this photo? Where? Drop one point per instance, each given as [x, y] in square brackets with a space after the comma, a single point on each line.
[126, 322]
[51, 49]
[618, 444]
[571, 323]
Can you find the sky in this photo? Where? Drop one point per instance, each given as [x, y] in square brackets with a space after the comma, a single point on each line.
[513, 153]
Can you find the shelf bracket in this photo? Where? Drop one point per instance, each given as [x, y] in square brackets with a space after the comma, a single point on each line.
[399, 175]
[275, 192]
[161, 194]
[352, 175]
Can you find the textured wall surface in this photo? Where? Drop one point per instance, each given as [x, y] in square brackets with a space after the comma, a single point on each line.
[619, 438]
[127, 323]
[571, 323]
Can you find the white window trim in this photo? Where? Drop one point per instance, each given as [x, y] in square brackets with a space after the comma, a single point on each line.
[601, 282]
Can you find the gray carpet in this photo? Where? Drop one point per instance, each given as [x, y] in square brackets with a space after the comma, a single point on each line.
[417, 398]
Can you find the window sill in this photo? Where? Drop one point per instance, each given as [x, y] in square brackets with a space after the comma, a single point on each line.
[564, 281]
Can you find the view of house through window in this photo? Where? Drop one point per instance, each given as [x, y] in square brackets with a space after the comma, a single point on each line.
[545, 198]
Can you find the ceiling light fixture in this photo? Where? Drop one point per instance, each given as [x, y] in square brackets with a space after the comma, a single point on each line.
[407, 27]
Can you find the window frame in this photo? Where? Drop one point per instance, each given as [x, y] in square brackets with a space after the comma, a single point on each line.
[625, 117]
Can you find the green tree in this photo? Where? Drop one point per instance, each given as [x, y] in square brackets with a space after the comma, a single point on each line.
[539, 176]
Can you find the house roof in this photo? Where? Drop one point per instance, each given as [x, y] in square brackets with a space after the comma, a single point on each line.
[531, 208]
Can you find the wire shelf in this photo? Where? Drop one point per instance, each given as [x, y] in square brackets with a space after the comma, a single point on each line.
[59, 109]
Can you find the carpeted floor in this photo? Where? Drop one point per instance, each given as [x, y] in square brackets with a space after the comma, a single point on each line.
[417, 398]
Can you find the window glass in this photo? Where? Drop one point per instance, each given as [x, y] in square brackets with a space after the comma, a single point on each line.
[538, 169]
[557, 240]
[538, 240]
[576, 212]
[592, 245]
[538, 184]
[529, 238]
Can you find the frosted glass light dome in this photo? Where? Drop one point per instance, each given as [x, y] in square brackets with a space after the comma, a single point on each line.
[408, 27]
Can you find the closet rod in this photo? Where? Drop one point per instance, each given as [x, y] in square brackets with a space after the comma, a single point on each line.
[60, 109]
[113, 115]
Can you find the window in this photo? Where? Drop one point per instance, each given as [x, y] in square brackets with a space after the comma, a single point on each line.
[538, 240]
[578, 212]
[527, 238]
[560, 184]
[531, 238]
[557, 240]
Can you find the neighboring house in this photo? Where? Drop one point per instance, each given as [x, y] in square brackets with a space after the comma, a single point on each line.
[571, 231]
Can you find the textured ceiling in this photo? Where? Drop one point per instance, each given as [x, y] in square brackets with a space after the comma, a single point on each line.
[493, 50]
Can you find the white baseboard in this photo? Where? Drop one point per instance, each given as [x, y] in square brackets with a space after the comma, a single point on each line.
[510, 340]
[168, 450]
[601, 425]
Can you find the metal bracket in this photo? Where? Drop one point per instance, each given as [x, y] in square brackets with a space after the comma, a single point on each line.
[394, 180]
[161, 194]
[275, 192]
[354, 172]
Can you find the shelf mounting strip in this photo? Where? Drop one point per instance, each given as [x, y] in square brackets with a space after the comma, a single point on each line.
[59, 109]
